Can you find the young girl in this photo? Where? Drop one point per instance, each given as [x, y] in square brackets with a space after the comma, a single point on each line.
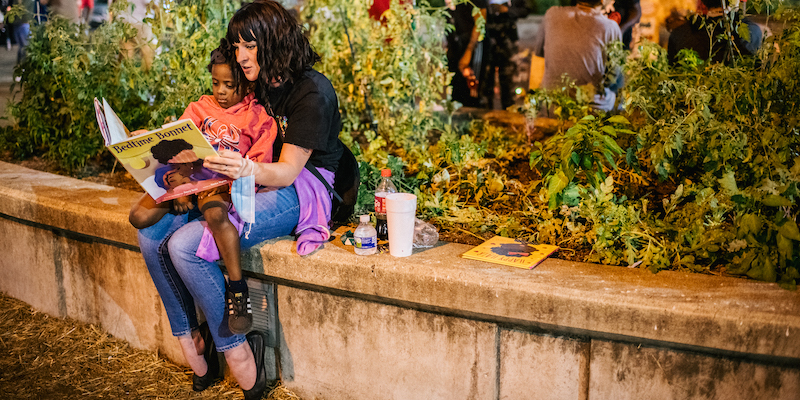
[231, 120]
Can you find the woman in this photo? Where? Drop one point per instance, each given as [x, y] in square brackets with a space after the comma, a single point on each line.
[272, 52]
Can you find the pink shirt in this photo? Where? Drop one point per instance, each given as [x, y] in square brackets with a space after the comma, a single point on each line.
[244, 127]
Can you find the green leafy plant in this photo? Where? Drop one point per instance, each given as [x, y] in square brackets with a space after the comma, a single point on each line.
[699, 173]
[66, 68]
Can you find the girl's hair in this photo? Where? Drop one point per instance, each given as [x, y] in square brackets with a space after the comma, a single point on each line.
[284, 52]
[224, 55]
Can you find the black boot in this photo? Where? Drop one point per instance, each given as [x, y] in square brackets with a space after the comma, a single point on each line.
[200, 383]
[258, 343]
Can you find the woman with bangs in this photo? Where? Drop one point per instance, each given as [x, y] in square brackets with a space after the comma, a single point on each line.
[273, 53]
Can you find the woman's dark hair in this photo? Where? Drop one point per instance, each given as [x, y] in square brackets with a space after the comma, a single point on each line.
[284, 52]
[166, 149]
[224, 55]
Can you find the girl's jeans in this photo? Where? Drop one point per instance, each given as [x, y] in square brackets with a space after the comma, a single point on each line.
[183, 279]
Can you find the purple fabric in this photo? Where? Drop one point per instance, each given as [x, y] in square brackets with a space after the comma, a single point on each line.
[207, 250]
[312, 226]
[315, 210]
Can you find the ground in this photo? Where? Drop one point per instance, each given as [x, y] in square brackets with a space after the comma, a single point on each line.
[43, 357]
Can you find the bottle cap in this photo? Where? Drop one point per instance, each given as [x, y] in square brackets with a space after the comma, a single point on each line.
[364, 218]
[386, 172]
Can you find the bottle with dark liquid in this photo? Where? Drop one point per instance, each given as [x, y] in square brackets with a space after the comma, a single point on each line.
[385, 187]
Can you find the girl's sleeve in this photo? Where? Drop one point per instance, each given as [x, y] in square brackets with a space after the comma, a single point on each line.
[265, 130]
[193, 112]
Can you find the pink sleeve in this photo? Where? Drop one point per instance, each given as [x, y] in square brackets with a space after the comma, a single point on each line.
[193, 112]
[265, 131]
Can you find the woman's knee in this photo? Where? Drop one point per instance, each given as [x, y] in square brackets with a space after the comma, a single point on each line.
[183, 243]
[238, 354]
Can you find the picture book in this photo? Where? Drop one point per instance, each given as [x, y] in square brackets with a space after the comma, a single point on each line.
[512, 252]
[167, 162]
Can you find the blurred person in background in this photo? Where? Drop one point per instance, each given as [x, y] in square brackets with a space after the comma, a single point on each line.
[87, 6]
[630, 13]
[66, 8]
[135, 14]
[703, 35]
[572, 41]
[500, 44]
[465, 52]
[21, 26]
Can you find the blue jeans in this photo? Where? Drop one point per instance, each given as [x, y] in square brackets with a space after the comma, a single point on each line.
[184, 280]
[21, 34]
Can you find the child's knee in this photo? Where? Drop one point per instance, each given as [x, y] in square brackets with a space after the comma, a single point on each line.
[216, 214]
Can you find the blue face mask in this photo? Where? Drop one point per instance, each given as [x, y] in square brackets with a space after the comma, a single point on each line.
[243, 196]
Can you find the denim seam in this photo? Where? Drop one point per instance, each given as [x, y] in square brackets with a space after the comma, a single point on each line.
[173, 286]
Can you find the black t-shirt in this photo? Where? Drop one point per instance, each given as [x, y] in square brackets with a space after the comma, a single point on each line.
[625, 7]
[459, 37]
[307, 112]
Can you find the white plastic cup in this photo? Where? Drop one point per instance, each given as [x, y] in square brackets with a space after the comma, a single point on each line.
[401, 211]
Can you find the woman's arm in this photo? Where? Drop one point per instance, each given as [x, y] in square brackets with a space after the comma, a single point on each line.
[282, 173]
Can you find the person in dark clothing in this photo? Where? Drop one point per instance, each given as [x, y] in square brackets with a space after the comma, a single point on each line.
[500, 45]
[702, 36]
[630, 12]
[21, 27]
[464, 53]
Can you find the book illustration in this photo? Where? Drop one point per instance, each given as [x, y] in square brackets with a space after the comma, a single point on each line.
[512, 252]
[167, 162]
[514, 249]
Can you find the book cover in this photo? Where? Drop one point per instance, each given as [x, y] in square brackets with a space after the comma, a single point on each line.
[167, 162]
[512, 252]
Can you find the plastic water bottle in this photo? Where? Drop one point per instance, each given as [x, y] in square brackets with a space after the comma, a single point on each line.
[365, 237]
[384, 188]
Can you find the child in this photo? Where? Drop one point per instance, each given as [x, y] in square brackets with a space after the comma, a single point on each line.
[232, 120]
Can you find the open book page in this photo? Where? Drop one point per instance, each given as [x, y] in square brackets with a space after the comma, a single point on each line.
[117, 131]
[167, 162]
[101, 121]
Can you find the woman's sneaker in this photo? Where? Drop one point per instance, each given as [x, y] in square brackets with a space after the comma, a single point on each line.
[240, 314]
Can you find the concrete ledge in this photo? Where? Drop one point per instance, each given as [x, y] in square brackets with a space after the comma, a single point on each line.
[680, 310]
[71, 205]
[431, 325]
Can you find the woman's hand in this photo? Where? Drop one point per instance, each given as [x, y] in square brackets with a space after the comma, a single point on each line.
[230, 164]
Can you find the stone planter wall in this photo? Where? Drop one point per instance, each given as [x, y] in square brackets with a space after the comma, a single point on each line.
[429, 326]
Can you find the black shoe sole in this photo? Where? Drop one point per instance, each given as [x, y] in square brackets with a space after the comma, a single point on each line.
[258, 344]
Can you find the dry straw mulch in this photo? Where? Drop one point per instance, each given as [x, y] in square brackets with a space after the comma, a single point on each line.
[43, 357]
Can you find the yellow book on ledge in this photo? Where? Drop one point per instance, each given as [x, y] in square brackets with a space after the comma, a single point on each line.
[512, 252]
